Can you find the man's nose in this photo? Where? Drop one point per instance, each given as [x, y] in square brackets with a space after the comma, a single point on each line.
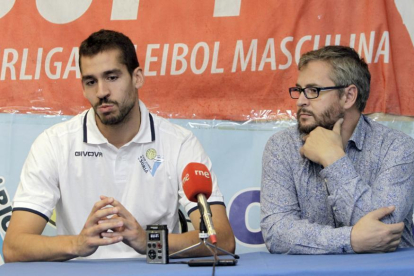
[302, 100]
[103, 90]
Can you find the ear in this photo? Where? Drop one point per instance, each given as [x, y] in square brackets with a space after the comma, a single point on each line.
[350, 95]
[138, 78]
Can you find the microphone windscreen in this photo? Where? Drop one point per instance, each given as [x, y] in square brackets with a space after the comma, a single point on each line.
[196, 180]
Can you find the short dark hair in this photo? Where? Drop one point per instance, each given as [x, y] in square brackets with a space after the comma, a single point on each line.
[105, 40]
[347, 68]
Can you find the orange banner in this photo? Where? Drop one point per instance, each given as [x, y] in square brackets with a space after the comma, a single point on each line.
[215, 59]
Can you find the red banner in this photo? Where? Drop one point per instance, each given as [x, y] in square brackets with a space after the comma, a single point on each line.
[215, 59]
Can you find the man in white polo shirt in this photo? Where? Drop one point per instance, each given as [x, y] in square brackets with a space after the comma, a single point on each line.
[115, 159]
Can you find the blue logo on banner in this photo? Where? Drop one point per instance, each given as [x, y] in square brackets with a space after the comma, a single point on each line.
[237, 216]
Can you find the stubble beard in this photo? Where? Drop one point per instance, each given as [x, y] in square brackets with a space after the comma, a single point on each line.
[326, 120]
[118, 118]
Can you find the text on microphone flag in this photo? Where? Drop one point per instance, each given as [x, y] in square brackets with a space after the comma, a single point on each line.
[196, 180]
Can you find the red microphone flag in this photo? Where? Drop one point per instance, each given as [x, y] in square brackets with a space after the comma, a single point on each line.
[196, 180]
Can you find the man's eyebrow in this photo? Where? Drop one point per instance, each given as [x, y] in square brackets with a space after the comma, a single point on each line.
[309, 85]
[87, 77]
[105, 73]
[112, 71]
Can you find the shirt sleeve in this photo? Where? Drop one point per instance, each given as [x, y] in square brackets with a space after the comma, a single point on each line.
[38, 189]
[352, 197]
[192, 151]
[283, 229]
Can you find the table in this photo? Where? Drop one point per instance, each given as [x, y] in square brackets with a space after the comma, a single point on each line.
[399, 263]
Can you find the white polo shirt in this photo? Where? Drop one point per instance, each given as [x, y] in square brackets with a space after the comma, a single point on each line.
[71, 164]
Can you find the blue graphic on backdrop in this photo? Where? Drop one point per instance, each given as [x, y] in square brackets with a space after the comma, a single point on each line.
[237, 217]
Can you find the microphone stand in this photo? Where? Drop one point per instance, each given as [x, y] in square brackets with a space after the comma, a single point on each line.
[203, 235]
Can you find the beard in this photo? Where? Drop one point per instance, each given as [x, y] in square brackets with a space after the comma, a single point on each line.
[118, 118]
[326, 120]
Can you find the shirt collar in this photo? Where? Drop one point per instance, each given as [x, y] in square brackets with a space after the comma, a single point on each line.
[92, 135]
[358, 136]
[146, 133]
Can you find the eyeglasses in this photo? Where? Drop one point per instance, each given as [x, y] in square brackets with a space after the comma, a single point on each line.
[310, 92]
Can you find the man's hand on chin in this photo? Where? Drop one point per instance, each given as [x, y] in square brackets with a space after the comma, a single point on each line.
[324, 146]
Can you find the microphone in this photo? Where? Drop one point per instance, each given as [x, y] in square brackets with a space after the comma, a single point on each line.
[197, 186]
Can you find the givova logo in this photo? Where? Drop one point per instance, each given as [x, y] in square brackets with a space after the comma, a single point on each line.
[89, 153]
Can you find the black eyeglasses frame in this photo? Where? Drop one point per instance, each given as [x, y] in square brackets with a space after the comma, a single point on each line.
[318, 90]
